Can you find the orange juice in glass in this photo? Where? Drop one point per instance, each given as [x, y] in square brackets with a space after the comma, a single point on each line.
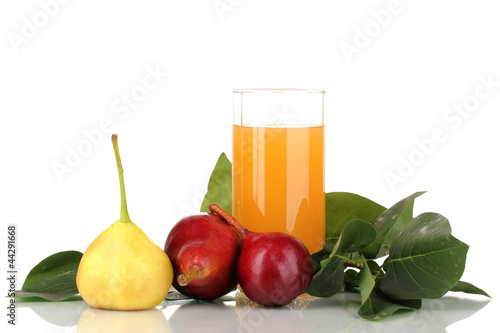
[278, 162]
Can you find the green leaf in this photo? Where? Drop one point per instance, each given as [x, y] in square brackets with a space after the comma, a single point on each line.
[350, 279]
[219, 188]
[330, 278]
[342, 207]
[383, 224]
[375, 269]
[49, 296]
[379, 306]
[425, 260]
[355, 235]
[319, 256]
[374, 304]
[469, 288]
[54, 278]
[366, 282]
[401, 222]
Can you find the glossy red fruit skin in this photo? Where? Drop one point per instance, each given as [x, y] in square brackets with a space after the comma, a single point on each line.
[207, 241]
[274, 268]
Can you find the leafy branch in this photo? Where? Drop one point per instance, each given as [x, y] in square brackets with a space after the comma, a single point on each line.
[422, 258]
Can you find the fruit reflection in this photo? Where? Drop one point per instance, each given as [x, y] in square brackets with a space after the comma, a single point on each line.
[64, 314]
[98, 320]
[245, 304]
[204, 317]
[257, 318]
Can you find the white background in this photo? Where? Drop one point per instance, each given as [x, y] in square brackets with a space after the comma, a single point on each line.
[69, 74]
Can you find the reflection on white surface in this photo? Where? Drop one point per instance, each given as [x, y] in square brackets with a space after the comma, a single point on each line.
[334, 314]
[110, 321]
[290, 318]
[204, 317]
[63, 314]
[273, 320]
[339, 313]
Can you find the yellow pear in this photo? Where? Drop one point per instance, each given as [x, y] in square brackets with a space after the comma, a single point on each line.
[123, 269]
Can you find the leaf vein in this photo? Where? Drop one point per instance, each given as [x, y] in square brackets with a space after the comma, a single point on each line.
[410, 257]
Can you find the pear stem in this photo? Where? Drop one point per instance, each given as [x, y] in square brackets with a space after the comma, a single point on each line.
[240, 230]
[124, 212]
[185, 279]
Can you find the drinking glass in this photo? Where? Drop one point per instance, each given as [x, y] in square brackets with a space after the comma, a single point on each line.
[278, 162]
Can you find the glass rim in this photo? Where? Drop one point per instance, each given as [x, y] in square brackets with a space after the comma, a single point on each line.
[278, 90]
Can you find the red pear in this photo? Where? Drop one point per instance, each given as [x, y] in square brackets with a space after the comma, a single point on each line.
[273, 267]
[204, 251]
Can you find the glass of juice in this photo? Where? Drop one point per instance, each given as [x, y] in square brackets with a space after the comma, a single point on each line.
[278, 162]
